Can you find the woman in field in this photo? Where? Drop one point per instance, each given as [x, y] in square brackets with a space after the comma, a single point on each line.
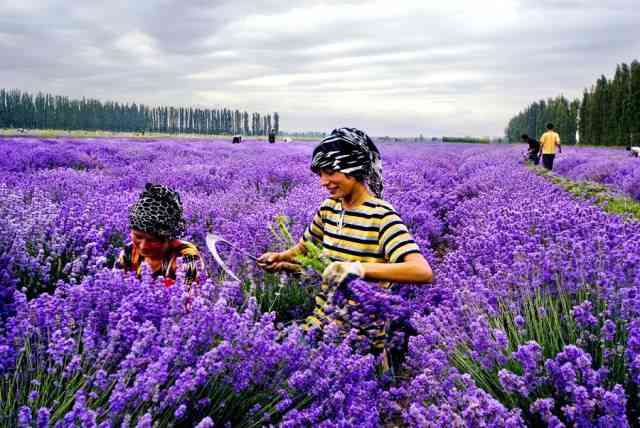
[156, 223]
[358, 230]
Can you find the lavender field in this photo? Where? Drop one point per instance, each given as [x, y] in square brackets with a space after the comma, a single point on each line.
[533, 318]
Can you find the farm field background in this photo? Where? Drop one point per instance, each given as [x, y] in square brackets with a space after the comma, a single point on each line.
[533, 317]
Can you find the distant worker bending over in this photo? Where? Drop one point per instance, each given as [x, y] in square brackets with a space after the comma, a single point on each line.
[549, 142]
[534, 149]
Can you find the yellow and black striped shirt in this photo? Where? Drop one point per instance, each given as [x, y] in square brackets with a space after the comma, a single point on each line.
[373, 233]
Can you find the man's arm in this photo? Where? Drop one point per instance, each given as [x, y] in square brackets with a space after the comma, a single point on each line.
[414, 268]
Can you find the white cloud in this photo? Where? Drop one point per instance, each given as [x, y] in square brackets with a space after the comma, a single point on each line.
[139, 46]
[401, 67]
[11, 40]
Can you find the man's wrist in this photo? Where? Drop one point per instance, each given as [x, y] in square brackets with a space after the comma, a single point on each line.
[361, 270]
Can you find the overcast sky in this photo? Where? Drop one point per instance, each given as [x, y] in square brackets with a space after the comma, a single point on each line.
[393, 67]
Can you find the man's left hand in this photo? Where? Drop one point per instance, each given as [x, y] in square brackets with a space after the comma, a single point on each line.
[337, 272]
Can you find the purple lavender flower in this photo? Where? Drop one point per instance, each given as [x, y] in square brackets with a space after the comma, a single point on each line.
[180, 411]
[145, 421]
[206, 423]
[24, 417]
[42, 420]
[583, 314]
[609, 330]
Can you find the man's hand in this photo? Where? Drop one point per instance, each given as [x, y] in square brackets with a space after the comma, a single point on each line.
[275, 262]
[337, 272]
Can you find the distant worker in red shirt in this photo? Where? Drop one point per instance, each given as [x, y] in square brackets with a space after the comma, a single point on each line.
[549, 141]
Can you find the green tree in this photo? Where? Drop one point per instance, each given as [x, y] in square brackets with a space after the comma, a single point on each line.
[583, 118]
[634, 102]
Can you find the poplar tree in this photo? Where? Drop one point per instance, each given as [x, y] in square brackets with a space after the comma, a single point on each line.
[634, 103]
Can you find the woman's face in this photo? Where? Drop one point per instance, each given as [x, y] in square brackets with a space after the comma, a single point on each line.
[337, 183]
[149, 245]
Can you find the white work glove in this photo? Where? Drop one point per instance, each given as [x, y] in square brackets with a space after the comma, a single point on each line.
[337, 272]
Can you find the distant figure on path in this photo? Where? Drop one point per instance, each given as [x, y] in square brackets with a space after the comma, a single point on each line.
[156, 222]
[357, 229]
[549, 141]
[272, 136]
[534, 149]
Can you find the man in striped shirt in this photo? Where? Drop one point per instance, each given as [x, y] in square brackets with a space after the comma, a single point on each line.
[357, 229]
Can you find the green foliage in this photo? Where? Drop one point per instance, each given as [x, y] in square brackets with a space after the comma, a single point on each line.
[312, 260]
[280, 231]
[291, 295]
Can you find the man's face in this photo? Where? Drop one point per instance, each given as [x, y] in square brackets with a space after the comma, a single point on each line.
[149, 245]
[337, 183]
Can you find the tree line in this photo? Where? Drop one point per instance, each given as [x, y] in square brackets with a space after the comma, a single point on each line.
[480, 140]
[608, 114]
[20, 109]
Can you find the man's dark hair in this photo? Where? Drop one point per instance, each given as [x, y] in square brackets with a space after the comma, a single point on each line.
[524, 137]
[549, 126]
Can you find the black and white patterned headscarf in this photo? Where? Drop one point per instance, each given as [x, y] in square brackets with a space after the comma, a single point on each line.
[158, 212]
[350, 151]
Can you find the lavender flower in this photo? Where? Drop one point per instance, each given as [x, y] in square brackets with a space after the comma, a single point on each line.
[583, 314]
[43, 417]
[24, 417]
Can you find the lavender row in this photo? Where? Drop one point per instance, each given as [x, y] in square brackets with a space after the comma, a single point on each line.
[612, 167]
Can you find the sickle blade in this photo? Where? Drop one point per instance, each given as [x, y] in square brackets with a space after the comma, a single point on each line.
[212, 240]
